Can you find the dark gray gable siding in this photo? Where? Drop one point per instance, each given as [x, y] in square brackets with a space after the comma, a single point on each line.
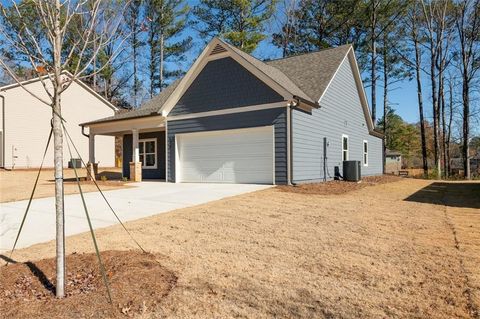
[222, 84]
[276, 117]
[159, 172]
[341, 113]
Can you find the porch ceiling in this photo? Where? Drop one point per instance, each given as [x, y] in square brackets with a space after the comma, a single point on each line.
[120, 127]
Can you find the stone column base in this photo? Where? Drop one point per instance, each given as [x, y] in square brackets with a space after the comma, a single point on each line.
[136, 171]
[93, 169]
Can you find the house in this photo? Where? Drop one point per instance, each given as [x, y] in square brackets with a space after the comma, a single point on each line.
[456, 166]
[25, 123]
[235, 119]
[393, 162]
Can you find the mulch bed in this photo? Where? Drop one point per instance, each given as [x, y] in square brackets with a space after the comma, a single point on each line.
[338, 187]
[137, 281]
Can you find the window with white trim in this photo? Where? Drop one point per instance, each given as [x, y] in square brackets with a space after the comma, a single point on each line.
[365, 153]
[148, 152]
[345, 147]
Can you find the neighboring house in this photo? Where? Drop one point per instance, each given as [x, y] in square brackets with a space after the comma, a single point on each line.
[456, 166]
[235, 119]
[393, 162]
[25, 124]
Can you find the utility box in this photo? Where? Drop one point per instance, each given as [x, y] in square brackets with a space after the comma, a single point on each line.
[351, 171]
[75, 163]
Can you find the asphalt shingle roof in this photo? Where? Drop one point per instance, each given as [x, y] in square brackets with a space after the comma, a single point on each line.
[312, 72]
[151, 107]
[305, 76]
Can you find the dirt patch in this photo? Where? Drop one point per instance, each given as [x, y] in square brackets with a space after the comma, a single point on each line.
[339, 187]
[137, 281]
[17, 185]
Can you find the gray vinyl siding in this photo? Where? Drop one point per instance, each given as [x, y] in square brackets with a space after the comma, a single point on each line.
[159, 172]
[223, 84]
[276, 117]
[341, 113]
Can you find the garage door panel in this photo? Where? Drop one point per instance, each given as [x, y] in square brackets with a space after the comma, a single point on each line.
[232, 156]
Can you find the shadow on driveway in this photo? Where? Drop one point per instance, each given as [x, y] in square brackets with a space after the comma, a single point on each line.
[466, 195]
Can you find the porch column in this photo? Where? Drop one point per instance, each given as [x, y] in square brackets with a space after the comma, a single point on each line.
[92, 167]
[135, 164]
[91, 148]
[135, 148]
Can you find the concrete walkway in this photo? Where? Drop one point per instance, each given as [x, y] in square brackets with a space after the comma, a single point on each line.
[145, 199]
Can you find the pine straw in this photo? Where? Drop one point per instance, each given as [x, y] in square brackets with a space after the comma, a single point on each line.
[138, 282]
[339, 187]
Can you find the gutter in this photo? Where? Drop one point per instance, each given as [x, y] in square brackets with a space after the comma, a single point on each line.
[3, 130]
[83, 131]
[304, 101]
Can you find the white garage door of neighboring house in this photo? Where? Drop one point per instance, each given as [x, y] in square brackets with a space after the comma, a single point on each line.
[229, 156]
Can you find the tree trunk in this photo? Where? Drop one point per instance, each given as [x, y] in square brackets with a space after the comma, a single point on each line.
[162, 50]
[374, 61]
[466, 128]
[449, 127]
[153, 53]
[385, 102]
[58, 157]
[420, 98]
[433, 81]
[134, 58]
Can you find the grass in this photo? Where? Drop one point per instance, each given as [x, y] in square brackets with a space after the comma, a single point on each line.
[406, 249]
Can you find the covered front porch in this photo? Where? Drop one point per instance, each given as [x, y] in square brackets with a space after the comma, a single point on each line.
[143, 146]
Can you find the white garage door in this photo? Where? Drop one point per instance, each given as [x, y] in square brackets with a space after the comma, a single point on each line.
[230, 156]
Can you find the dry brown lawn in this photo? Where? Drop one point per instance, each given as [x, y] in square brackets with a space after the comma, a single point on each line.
[18, 184]
[406, 249]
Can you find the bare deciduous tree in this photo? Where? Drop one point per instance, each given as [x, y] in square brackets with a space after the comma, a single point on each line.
[89, 26]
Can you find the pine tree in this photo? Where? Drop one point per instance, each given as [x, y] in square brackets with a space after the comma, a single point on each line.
[167, 21]
[240, 22]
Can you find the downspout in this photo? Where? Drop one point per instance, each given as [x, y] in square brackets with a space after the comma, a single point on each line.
[290, 107]
[3, 130]
[83, 132]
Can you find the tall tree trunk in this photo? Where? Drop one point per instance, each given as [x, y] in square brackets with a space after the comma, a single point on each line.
[162, 51]
[385, 101]
[466, 128]
[418, 57]
[374, 60]
[449, 126]
[135, 71]
[153, 56]
[433, 82]
[58, 156]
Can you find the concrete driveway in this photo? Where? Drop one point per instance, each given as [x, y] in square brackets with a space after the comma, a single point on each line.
[145, 199]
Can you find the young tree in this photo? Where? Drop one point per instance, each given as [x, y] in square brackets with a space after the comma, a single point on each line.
[43, 49]
[239, 22]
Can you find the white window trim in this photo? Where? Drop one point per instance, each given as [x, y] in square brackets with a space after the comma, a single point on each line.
[365, 153]
[348, 147]
[156, 153]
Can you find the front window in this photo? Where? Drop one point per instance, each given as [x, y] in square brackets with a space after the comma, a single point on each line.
[148, 153]
[344, 148]
[365, 153]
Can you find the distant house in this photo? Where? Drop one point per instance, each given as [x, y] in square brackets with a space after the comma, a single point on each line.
[393, 162]
[235, 119]
[456, 166]
[25, 124]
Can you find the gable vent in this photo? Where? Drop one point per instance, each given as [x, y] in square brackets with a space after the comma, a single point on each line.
[218, 49]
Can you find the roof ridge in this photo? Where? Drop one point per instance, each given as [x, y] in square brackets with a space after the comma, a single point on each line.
[307, 53]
